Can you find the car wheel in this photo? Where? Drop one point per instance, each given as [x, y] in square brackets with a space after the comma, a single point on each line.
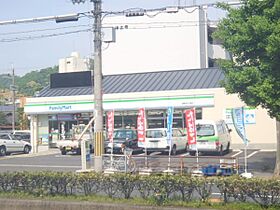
[187, 148]
[26, 149]
[228, 147]
[2, 151]
[221, 151]
[91, 149]
[78, 151]
[63, 151]
[174, 151]
[192, 153]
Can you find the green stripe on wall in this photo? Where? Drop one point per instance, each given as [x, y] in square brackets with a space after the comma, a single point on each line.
[122, 100]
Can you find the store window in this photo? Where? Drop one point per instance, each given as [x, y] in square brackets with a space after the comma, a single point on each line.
[61, 125]
[125, 119]
[156, 119]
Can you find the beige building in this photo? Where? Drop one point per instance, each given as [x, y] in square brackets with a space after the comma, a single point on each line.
[57, 108]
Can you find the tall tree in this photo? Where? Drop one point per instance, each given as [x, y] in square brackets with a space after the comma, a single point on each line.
[251, 33]
[3, 120]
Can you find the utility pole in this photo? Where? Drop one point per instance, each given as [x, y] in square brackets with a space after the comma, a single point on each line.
[98, 107]
[97, 82]
[13, 89]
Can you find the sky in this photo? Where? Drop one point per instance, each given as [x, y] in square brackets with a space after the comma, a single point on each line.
[36, 52]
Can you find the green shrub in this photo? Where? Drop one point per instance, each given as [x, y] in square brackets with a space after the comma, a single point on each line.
[156, 189]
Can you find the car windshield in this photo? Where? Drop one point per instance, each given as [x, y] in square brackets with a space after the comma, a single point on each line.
[124, 134]
[205, 130]
[17, 137]
[155, 133]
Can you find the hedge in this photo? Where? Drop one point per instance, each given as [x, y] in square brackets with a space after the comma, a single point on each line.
[264, 192]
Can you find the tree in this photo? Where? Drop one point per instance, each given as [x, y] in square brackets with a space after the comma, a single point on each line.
[3, 120]
[251, 33]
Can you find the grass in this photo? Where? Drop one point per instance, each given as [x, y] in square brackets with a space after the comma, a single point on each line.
[138, 201]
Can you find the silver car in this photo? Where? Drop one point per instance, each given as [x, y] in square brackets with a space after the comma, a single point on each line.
[10, 144]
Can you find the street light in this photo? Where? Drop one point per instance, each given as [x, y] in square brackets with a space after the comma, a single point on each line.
[97, 82]
[13, 90]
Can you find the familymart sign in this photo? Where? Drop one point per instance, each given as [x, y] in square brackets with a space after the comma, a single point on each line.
[121, 104]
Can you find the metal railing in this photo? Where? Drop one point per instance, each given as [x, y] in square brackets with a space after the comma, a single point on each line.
[159, 163]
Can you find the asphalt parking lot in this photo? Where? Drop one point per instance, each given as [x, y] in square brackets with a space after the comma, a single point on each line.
[260, 162]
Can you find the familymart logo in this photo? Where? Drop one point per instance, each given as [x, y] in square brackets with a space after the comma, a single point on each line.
[60, 108]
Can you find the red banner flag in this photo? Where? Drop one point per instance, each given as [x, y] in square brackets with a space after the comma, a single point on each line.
[110, 124]
[141, 127]
[190, 125]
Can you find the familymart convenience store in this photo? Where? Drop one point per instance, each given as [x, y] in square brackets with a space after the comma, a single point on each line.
[68, 102]
[53, 118]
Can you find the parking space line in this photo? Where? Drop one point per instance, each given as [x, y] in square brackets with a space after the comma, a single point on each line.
[237, 153]
[253, 153]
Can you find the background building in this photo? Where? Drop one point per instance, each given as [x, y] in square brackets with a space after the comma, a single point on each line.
[73, 63]
[168, 39]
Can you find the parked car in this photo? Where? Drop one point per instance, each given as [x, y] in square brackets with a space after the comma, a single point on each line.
[10, 144]
[22, 135]
[123, 138]
[212, 136]
[156, 140]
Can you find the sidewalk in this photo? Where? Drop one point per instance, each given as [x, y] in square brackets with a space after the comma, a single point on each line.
[45, 150]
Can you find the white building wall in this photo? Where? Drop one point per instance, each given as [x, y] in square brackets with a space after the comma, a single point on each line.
[163, 41]
[262, 134]
[73, 63]
[217, 51]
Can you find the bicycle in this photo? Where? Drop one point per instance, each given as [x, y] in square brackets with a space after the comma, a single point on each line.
[122, 163]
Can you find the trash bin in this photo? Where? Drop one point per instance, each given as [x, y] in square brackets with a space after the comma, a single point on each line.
[210, 170]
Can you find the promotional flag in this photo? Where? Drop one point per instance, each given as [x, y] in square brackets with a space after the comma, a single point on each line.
[141, 127]
[110, 124]
[238, 122]
[190, 125]
[169, 124]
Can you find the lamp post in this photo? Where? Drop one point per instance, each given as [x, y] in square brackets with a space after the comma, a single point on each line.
[13, 89]
[13, 93]
[97, 82]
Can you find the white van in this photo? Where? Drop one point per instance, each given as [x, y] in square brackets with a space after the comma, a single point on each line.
[212, 136]
[156, 140]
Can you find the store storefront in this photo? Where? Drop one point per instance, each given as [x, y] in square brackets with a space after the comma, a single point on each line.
[62, 107]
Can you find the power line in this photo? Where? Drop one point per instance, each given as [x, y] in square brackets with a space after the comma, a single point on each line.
[42, 36]
[42, 30]
[127, 26]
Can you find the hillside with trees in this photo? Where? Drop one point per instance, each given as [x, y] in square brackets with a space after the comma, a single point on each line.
[30, 83]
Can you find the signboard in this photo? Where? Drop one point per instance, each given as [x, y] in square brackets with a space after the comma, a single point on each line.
[169, 124]
[238, 122]
[79, 106]
[249, 116]
[190, 125]
[141, 127]
[110, 124]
